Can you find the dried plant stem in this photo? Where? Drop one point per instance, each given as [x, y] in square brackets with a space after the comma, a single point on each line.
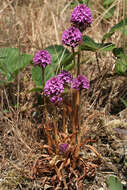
[73, 117]
[77, 116]
[48, 136]
[64, 120]
[99, 70]
[46, 126]
[55, 132]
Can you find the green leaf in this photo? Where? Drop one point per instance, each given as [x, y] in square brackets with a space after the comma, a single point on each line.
[120, 66]
[110, 13]
[118, 27]
[12, 62]
[124, 102]
[107, 47]
[121, 62]
[74, 3]
[107, 3]
[37, 76]
[67, 61]
[58, 53]
[37, 89]
[114, 183]
[89, 44]
[118, 52]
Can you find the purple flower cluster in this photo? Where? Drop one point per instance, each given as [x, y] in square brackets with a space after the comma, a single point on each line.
[72, 37]
[42, 58]
[63, 147]
[80, 83]
[81, 17]
[65, 77]
[54, 87]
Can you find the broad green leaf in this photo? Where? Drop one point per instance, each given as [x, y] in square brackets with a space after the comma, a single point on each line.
[58, 53]
[49, 72]
[114, 183]
[89, 44]
[121, 62]
[68, 61]
[37, 76]
[120, 66]
[118, 52]
[118, 27]
[69, 67]
[12, 61]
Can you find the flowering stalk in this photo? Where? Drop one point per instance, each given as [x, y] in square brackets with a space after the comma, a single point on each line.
[55, 132]
[42, 58]
[64, 120]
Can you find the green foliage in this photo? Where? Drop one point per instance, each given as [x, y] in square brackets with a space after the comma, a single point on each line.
[121, 62]
[11, 63]
[118, 27]
[61, 59]
[114, 183]
[37, 76]
[124, 102]
[89, 44]
[77, 2]
[106, 4]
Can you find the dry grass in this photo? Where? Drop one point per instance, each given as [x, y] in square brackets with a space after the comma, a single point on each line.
[33, 25]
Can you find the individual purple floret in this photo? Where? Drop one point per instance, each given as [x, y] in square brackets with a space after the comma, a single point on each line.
[56, 99]
[42, 58]
[72, 37]
[80, 83]
[81, 17]
[65, 77]
[63, 147]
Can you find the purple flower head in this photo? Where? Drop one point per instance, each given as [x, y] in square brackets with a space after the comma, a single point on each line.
[80, 83]
[42, 58]
[72, 37]
[65, 77]
[81, 17]
[63, 147]
[53, 87]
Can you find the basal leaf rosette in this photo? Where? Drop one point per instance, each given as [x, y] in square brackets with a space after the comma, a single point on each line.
[81, 17]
